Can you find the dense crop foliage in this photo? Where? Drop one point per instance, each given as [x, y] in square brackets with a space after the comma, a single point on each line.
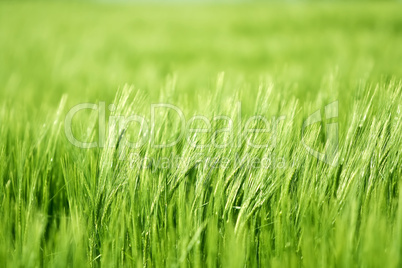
[225, 202]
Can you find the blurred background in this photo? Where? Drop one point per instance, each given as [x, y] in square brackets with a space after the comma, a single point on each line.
[88, 50]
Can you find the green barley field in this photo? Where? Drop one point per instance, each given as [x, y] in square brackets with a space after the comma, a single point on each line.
[200, 134]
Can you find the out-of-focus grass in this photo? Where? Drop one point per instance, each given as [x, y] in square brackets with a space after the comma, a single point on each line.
[48, 49]
[65, 206]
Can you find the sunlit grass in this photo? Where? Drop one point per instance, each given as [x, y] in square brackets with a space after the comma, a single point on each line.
[63, 206]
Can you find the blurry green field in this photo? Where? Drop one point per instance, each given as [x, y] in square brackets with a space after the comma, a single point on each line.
[63, 206]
